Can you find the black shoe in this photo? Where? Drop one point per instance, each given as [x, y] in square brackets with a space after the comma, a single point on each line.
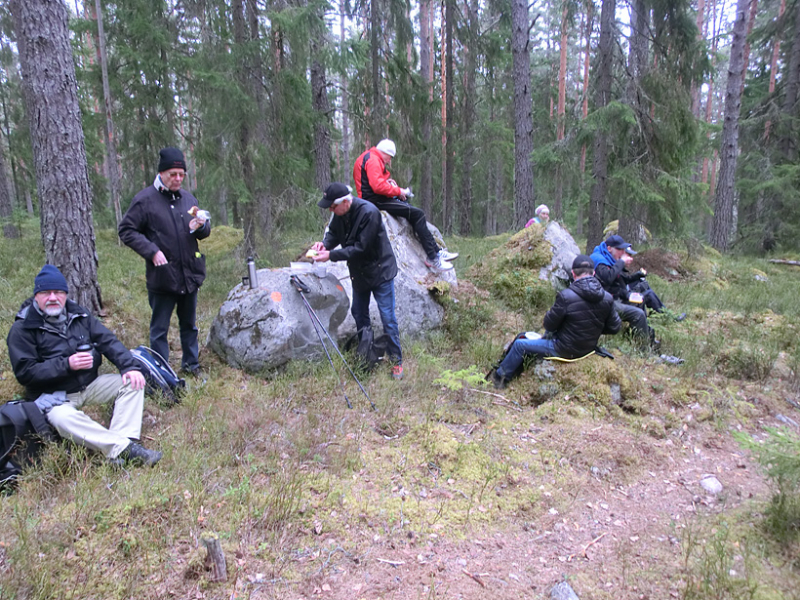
[138, 455]
[500, 382]
[196, 372]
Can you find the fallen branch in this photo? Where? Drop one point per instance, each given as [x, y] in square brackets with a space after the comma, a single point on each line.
[474, 576]
[589, 545]
[782, 261]
[394, 563]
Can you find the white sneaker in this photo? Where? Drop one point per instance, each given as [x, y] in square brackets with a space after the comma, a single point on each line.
[438, 264]
[445, 255]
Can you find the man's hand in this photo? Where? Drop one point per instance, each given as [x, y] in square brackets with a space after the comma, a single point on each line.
[159, 259]
[627, 259]
[81, 361]
[323, 255]
[135, 379]
[318, 246]
[644, 272]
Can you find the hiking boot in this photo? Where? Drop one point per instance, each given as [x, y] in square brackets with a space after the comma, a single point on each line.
[397, 372]
[438, 264]
[499, 382]
[137, 454]
[193, 371]
[445, 255]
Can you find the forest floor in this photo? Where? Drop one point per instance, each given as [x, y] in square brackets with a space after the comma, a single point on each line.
[450, 489]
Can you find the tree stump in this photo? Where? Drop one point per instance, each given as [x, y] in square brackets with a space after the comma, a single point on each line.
[215, 559]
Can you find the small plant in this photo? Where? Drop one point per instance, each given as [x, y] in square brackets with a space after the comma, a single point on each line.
[718, 567]
[780, 456]
[747, 361]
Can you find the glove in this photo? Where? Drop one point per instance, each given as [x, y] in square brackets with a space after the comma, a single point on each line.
[408, 193]
[46, 402]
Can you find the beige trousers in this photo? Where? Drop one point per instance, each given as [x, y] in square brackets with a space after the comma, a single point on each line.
[126, 422]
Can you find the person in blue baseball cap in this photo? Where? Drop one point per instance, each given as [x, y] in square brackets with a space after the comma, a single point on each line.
[611, 258]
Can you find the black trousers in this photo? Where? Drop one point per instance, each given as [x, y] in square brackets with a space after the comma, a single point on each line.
[415, 216]
[186, 305]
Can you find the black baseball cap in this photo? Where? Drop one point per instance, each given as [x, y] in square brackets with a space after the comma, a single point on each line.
[334, 192]
[582, 262]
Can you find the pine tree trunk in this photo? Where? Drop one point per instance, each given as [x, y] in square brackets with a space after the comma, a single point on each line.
[346, 164]
[377, 123]
[468, 120]
[10, 230]
[320, 104]
[597, 199]
[59, 152]
[426, 73]
[729, 148]
[773, 67]
[633, 213]
[111, 142]
[560, 112]
[524, 192]
[449, 157]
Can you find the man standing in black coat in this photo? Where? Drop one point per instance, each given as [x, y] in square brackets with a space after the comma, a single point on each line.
[579, 316]
[357, 227]
[163, 225]
[56, 348]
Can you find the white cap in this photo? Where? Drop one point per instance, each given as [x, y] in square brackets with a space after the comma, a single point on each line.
[388, 147]
[541, 208]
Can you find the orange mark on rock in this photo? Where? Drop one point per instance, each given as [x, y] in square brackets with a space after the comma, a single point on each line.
[340, 288]
[276, 296]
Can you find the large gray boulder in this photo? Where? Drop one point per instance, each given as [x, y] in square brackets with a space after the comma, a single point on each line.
[564, 252]
[264, 328]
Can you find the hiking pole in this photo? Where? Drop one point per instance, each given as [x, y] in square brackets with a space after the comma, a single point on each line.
[300, 287]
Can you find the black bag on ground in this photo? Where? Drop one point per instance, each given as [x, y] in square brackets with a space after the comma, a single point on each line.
[368, 349]
[23, 432]
[160, 377]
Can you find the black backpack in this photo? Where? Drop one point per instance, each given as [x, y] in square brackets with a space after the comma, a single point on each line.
[369, 350]
[23, 432]
[160, 377]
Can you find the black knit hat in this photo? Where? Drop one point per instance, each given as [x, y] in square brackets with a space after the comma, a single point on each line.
[48, 279]
[170, 158]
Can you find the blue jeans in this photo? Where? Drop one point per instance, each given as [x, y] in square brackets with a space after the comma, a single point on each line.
[522, 348]
[163, 305]
[384, 298]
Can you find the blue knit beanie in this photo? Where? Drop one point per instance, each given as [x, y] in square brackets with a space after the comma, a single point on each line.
[49, 278]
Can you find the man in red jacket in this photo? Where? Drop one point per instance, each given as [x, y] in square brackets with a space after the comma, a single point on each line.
[374, 184]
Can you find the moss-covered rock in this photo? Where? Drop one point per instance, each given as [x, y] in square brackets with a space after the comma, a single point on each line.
[511, 272]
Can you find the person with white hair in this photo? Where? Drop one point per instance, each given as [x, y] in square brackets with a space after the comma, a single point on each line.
[542, 216]
[374, 184]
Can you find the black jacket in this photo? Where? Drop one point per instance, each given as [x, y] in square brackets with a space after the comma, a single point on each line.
[40, 353]
[160, 221]
[365, 245]
[581, 313]
[615, 280]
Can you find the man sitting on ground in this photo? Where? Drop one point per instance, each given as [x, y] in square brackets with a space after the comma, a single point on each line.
[56, 348]
[611, 258]
[579, 316]
[374, 184]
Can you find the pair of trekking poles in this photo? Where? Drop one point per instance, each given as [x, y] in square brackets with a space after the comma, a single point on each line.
[303, 289]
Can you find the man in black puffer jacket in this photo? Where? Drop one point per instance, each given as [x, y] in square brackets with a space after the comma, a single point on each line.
[163, 225]
[357, 227]
[580, 315]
